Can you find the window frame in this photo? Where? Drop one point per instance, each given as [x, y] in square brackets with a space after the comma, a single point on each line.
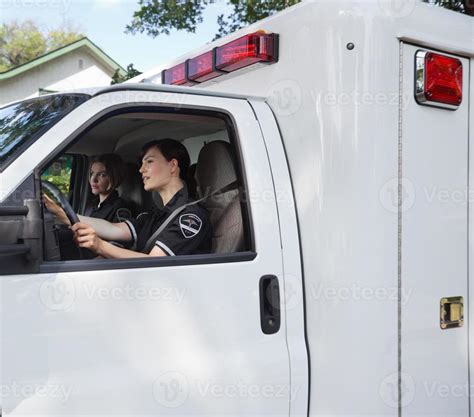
[247, 255]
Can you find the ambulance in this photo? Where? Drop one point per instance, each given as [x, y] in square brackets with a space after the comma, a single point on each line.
[339, 282]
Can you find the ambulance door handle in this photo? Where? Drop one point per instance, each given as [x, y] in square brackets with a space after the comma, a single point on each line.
[269, 304]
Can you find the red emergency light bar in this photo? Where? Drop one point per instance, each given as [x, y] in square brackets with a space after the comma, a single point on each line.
[438, 80]
[201, 68]
[245, 51]
[242, 52]
[175, 75]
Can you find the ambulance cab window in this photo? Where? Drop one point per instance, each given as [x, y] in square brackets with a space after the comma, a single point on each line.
[213, 179]
[24, 122]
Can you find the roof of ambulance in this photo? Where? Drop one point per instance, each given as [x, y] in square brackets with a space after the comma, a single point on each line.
[168, 89]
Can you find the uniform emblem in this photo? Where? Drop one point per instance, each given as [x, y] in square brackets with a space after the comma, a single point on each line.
[190, 225]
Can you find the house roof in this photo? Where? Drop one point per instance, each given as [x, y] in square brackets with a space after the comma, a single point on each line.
[81, 43]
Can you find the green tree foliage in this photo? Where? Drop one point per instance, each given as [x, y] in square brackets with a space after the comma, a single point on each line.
[157, 17]
[462, 6]
[62, 180]
[161, 16]
[23, 42]
[246, 12]
[117, 78]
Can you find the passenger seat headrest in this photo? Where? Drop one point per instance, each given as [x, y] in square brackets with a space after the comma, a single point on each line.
[215, 167]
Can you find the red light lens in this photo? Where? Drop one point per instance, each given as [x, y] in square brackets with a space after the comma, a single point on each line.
[200, 68]
[247, 50]
[443, 79]
[175, 75]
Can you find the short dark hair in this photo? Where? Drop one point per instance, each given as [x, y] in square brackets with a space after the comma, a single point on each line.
[171, 149]
[114, 166]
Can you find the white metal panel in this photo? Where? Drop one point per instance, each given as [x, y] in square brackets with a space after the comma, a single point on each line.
[338, 112]
[434, 237]
[293, 304]
[470, 312]
[181, 340]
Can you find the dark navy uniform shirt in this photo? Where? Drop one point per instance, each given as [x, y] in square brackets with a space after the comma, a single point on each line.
[188, 233]
[113, 209]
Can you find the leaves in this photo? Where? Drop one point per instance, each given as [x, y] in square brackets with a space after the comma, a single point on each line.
[161, 16]
[462, 6]
[23, 42]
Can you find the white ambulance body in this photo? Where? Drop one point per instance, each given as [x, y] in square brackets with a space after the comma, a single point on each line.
[353, 144]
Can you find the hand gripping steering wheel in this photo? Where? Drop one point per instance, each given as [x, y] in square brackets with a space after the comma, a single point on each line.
[63, 202]
[66, 206]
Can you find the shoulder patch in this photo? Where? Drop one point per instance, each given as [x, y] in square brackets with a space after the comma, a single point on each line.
[190, 225]
[123, 214]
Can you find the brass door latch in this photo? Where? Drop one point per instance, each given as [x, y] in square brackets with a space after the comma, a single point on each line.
[451, 312]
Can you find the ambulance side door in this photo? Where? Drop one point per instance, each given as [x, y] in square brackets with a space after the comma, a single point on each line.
[186, 335]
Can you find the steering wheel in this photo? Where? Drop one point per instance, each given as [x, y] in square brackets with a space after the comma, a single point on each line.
[63, 201]
[66, 206]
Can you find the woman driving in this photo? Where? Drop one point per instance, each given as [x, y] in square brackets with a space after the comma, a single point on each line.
[163, 168]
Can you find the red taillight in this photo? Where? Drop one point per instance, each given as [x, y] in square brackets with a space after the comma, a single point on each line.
[201, 68]
[443, 79]
[439, 79]
[247, 50]
[175, 75]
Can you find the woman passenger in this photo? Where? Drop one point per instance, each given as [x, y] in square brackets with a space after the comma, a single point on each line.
[105, 175]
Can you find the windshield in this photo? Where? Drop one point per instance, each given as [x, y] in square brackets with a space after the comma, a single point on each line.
[24, 122]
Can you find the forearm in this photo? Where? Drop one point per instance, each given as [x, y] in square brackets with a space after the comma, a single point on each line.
[109, 251]
[107, 230]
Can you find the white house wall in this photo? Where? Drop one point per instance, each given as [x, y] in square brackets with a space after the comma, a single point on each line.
[63, 73]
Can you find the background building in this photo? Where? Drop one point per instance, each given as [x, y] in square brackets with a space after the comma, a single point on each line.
[80, 64]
